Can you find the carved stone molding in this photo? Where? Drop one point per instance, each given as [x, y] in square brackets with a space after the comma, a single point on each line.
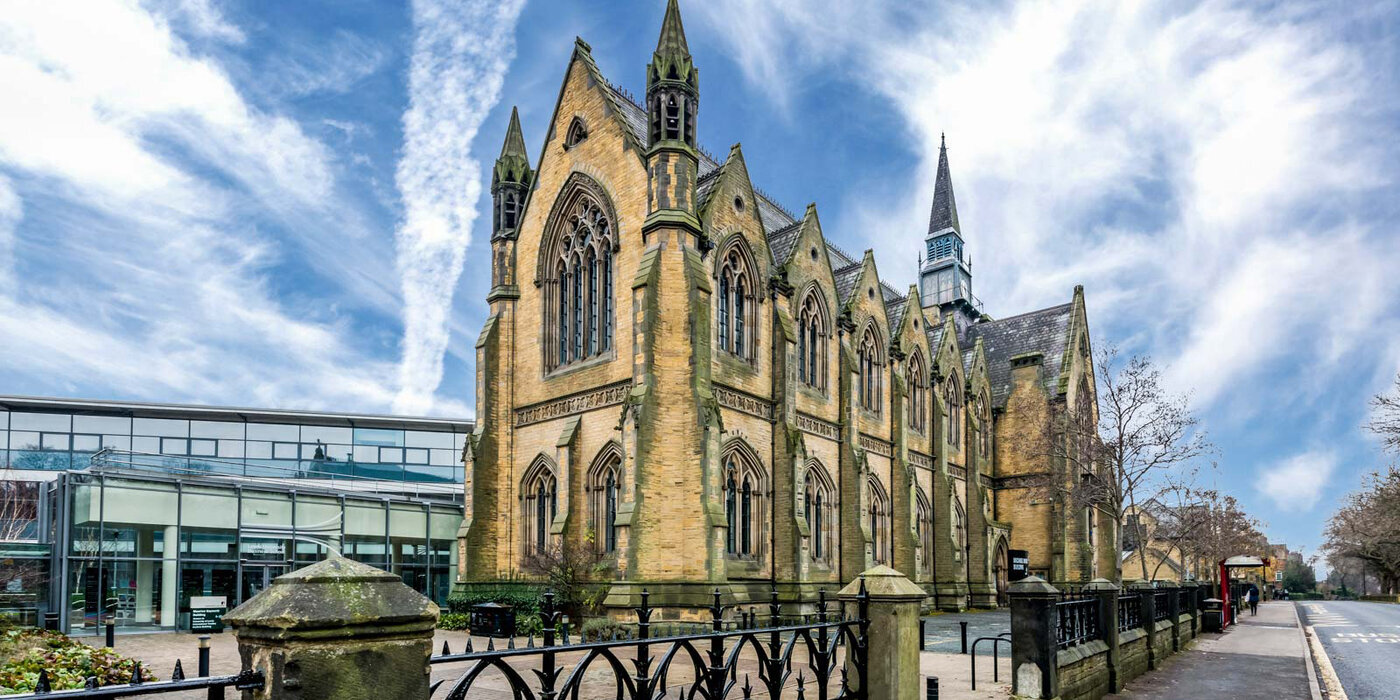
[875, 445]
[818, 427]
[611, 395]
[955, 470]
[920, 459]
[742, 402]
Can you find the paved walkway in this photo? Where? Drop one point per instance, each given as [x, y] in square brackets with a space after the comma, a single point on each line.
[1262, 658]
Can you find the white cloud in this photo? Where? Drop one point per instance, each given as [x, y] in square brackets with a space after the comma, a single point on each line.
[1195, 165]
[151, 273]
[1295, 484]
[11, 209]
[460, 54]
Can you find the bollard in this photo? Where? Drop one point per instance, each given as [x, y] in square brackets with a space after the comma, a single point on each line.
[963, 625]
[111, 632]
[203, 656]
[931, 688]
[922, 622]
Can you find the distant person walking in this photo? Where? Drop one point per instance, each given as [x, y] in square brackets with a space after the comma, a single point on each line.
[1253, 598]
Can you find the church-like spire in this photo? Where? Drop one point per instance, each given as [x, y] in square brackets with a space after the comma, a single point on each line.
[672, 40]
[945, 208]
[514, 163]
[673, 83]
[510, 180]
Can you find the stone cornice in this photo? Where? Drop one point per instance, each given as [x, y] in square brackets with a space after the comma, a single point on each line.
[602, 397]
[743, 402]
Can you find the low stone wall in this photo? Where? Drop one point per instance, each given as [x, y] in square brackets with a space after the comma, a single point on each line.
[1083, 671]
[1381, 598]
[1133, 661]
[1109, 657]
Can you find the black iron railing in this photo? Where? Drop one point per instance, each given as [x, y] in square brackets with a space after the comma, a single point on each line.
[1186, 600]
[1076, 622]
[692, 666]
[1161, 605]
[215, 685]
[1129, 612]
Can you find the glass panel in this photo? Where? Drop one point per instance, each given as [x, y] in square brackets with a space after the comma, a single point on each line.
[54, 441]
[415, 456]
[273, 431]
[133, 593]
[203, 448]
[377, 436]
[390, 455]
[216, 429]
[24, 440]
[408, 522]
[202, 543]
[139, 518]
[444, 458]
[149, 445]
[284, 450]
[200, 579]
[364, 518]
[231, 448]
[56, 422]
[312, 433]
[174, 446]
[4, 419]
[428, 474]
[421, 438]
[209, 508]
[259, 450]
[163, 427]
[263, 549]
[117, 442]
[84, 597]
[87, 443]
[101, 424]
[366, 453]
[318, 516]
[266, 510]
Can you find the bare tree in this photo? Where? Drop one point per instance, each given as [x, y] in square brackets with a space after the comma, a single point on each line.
[1385, 421]
[1367, 528]
[1140, 441]
[1224, 530]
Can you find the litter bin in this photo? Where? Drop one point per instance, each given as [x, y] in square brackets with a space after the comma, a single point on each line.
[493, 620]
[1213, 615]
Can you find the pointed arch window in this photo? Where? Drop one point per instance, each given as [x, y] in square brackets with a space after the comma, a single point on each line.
[744, 504]
[923, 527]
[879, 514]
[539, 491]
[982, 407]
[736, 303]
[817, 506]
[578, 131]
[918, 393]
[604, 494]
[811, 341]
[953, 400]
[872, 365]
[959, 530]
[578, 285]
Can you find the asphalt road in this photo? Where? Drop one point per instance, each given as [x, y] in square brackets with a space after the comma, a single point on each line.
[943, 634]
[1363, 642]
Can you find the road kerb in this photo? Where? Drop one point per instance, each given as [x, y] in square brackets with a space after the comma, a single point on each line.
[1329, 676]
[1308, 657]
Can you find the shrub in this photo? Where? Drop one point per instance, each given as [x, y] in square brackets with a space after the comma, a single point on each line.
[69, 663]
[454, 621]
[602, 629]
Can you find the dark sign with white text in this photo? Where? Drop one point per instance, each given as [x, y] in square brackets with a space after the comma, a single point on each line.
[1020, 564]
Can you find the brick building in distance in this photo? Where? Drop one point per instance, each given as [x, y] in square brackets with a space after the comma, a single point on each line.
[693, 382]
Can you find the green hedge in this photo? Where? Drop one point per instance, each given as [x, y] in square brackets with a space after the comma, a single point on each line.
[524, 599]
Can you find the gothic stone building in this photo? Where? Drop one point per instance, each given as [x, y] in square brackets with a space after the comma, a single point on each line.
[693, 383]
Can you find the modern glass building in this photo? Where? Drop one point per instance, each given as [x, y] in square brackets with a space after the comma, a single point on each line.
[216, 502]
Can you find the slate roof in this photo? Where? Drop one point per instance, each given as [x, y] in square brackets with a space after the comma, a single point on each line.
[894, 311]
[935, 336]
[1045, 331]
[846, 278]
[776, 220]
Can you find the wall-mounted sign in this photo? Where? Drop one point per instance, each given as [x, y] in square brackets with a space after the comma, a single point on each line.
[1020, 561]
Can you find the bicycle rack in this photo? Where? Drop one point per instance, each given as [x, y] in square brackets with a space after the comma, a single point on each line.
[1004, 637]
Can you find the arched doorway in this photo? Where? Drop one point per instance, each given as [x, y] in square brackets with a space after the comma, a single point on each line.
[1000, 570]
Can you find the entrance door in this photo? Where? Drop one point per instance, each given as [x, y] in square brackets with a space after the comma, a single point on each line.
[257, 577]
[1002, 571]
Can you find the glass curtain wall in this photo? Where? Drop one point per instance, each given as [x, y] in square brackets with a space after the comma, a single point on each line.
[140, 549]
[60, 441]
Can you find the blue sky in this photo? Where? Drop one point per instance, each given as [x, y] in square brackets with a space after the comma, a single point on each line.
[280, 204]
